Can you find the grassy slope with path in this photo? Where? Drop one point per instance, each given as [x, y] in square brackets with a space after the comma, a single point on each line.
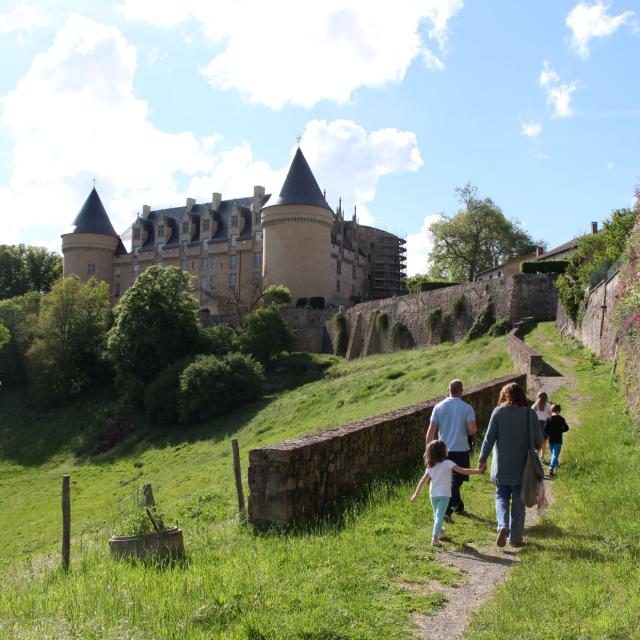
[340, 579]
[581, 571]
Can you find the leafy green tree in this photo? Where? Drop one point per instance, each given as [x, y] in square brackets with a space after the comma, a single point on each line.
[592, 258]
[156, 324]
[67, 352]
[24, 269]
[478, 237]
[276, 294]
[20, 316]
[264, 334]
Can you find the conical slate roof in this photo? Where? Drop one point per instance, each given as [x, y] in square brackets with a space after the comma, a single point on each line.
[93, 218]
[300, 187]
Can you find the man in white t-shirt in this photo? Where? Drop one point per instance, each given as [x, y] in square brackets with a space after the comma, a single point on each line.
[454, 421]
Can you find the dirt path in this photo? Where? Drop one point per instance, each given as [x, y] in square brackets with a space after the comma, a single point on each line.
[483, 568]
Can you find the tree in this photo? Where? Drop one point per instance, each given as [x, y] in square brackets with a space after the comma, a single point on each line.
[20, 317]
[67, 352]
[264, 334]
[24, 269]
[156, 324]
[478, 237]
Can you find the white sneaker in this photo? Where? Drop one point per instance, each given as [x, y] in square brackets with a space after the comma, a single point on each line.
[435, 542]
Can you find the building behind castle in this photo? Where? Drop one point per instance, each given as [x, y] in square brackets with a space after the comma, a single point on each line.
[233, 248]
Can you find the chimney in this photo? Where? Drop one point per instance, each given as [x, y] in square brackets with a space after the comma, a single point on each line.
[146, 210]
[539, 251]
[190, 203]
[216, 199]
[594, 228]
[258, 191]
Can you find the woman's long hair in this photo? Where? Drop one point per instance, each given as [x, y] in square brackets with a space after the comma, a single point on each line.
[541, 401]
[512, 395]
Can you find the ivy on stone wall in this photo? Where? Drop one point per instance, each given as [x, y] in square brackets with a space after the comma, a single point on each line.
[341, 334]
[483, 322]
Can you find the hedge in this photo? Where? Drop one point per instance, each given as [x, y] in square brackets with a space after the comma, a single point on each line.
[549, 266]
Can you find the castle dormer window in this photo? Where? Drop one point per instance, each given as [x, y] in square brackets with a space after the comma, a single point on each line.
[234, 221]
[185, 227]
[256, 217]
[160, 231]
[205, 225]
[136, 233]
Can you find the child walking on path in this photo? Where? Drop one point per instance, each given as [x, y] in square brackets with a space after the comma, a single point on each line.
[554, 427]
[543, 410]
[439, 471]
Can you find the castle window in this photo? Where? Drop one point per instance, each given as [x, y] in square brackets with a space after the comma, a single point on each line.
[91, 269]
[213, 264]
[136, 233]
[256, 218]
[258, 236]
[205, 225]
[353, 271]
[161, 231]
[234, 221]
[338, 267]
[234, 239]
[204, 283]
[205, 264]
[183, 265]
[232, 279]
[257, 259]
[185, 227]
[116, 293]
[213, 281]
[233, 262]
[118, 271]
[353, 289]
[136, 270]
[338, 286]
[193, 265]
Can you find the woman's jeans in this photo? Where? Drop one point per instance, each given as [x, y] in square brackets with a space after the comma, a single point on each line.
[439, 505]
[555, 455]
[513, 521]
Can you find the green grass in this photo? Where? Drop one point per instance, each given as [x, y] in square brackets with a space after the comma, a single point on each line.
[338, 579]
[580, 575]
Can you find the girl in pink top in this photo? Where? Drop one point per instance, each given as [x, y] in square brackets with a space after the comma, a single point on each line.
[438, 471]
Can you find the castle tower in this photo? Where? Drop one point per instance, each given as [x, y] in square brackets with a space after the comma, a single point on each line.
[297, 235]
[89, 248]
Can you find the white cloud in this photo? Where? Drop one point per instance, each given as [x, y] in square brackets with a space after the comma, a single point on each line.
[558, 94]
[531, 129]
[22, 18]
[419, 246]
[588, 21]
[542, 156]
[322, 50]
[610, 165]
[74, 116]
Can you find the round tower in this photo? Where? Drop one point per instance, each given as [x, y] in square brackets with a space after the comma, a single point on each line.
[88, 249]
[297, 236]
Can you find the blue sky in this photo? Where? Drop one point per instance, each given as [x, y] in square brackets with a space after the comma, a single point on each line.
[535, 102]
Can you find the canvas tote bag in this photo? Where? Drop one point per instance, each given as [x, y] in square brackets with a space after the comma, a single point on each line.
[533, 471]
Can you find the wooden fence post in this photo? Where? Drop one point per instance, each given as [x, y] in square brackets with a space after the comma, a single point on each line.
[238, 474]
[66, 523]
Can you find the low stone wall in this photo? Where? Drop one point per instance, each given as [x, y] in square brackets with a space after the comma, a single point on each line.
[308, 326]
[514, 298]
[524, 358]
[302, 477]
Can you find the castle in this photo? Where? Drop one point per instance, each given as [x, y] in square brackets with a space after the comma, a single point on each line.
[234, 248]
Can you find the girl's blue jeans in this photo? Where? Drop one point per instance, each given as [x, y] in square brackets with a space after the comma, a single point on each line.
[439, 504]
[510, 511]
[555, 455]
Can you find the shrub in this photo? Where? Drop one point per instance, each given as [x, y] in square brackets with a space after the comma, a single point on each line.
[421, 282]
[316, 302]
[399, 335]
[264, 334]
[210, 385]
[446, 326]
[382, 322]
[550, 266]
[482, 323]
[439, 324]
[356, 299]
[162, 397]
[276, 294]
[458, 306]
[220, 339]
[500, 328]
[340, 335]
[301, 303]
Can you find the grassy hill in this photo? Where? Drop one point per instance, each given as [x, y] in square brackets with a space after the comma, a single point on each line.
[331, 581]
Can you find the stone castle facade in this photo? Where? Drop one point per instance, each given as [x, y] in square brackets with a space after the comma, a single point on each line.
[234, 248]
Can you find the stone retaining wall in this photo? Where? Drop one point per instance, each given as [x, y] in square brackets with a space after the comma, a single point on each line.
[525, 359]
[514, 298]
[302, 477]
